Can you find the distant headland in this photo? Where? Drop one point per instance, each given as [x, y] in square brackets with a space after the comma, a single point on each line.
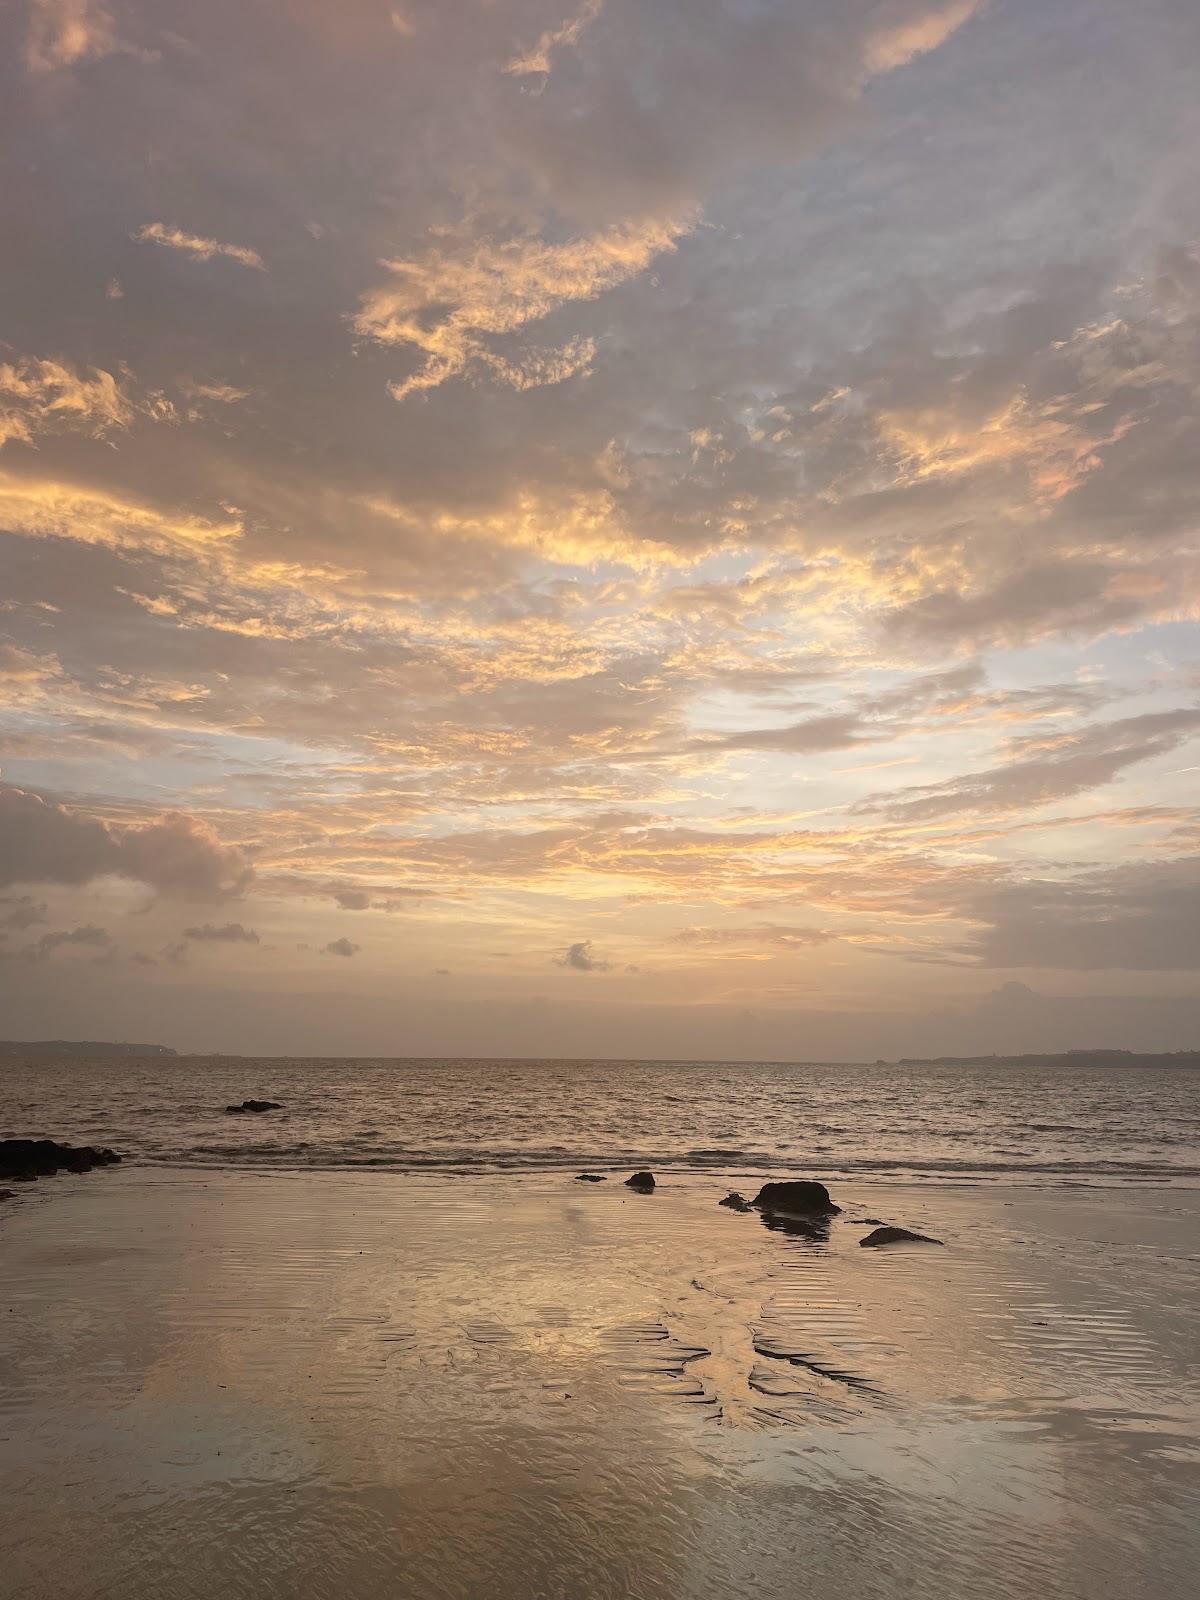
[1064, 1058]
[80, 1047]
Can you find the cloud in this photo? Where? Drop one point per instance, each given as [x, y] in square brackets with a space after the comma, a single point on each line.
[227, 933]
[64, 32]
[960, 693]
[540, 58]
[42, 841]
[196, 246]
[663, 99]
[181, 854]
[579, 958]
[89, 937]
[222, 394]
[21, 666]
[839, 731]
[451, 306]
[39, 395]
[341, 947]
[900, 38]
[352, 899]
[21, 912]
[764, 934]
[1046, 768]
[49, 508]
[1139, 917]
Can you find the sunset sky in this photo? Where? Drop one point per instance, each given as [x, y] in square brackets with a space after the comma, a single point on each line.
[601, 527]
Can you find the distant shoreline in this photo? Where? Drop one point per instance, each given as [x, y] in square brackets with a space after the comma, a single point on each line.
[91, 1048]
[81, 1047]
[1062, 1058]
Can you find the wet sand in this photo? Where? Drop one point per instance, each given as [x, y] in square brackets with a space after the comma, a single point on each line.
[352, 1385]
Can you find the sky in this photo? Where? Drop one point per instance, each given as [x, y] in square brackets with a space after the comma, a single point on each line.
[601, 527]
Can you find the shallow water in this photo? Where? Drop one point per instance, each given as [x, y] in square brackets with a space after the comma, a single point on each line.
[1055, 1125]
[362, 1385]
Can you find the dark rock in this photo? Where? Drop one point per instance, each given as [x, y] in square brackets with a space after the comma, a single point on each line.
[26, 1159]
[643, 1182]
[253, 1105]
[589, 1177]
[736, 1201]
[889, 1235]
[6, 1194]
[798, 1197]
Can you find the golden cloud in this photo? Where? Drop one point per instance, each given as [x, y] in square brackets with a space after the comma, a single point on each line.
[39, 395]
[196, 246]
[447, 304]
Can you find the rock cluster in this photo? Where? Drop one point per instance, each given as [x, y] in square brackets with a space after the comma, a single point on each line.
[253, 1105]
[27, 1159]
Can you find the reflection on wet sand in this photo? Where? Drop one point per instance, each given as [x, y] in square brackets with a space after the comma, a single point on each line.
[354, 1386]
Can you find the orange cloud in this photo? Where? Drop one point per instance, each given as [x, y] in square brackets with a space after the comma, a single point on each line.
[194, 245]
[446, 304]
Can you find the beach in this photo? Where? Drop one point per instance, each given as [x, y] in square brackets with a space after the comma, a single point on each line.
[352, 1384]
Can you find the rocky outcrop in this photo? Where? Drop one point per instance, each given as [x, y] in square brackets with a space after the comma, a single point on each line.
[26, 1159]
[589, 1177]
[253, 1105]
[736, 1201]
[891, 1235]
[796, 1197]
[643, 1182]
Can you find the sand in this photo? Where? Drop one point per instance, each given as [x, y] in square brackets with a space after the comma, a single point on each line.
[373, 1385]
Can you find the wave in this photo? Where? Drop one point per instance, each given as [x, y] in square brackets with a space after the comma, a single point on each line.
[305, 1156]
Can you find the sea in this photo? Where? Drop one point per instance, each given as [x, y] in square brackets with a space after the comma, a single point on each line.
[931, 1122]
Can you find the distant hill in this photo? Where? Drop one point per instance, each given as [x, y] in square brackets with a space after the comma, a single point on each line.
[1068, 1058]
[79, 1047]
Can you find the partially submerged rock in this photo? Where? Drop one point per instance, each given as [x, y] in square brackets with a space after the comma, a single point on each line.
[736, 1201]
[589, 1177]
[253, 1105]
[889, 1235]
[796, 1197]
[26, 1159]
[643, 1182]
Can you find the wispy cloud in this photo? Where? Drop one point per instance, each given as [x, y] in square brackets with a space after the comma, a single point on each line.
[196, 246]
[759, 935]
[88, 937]
[540, 57]
[36, 395]
[451, 305]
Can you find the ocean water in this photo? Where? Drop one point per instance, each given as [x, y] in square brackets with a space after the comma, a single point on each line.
[380, 1343]
[943, 1123]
